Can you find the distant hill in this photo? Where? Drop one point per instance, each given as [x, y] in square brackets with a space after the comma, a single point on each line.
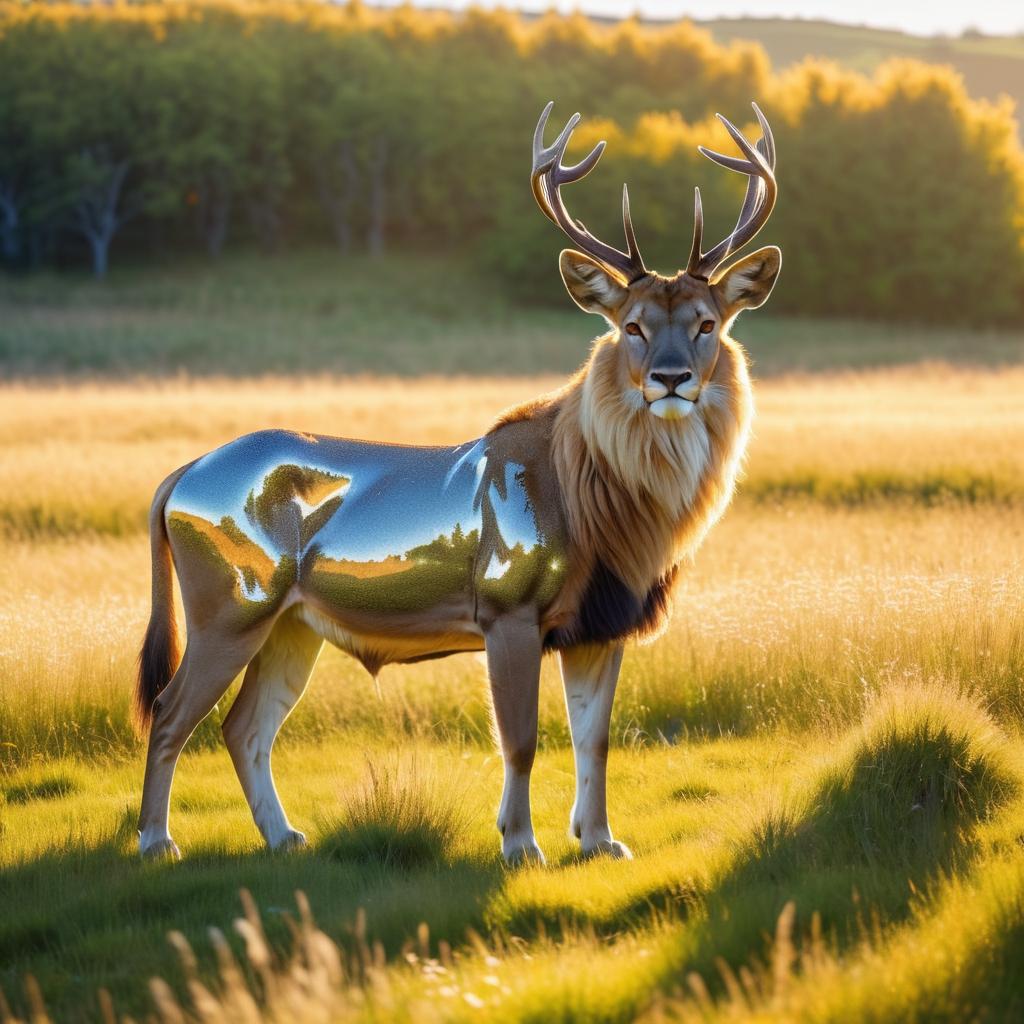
[991, 65]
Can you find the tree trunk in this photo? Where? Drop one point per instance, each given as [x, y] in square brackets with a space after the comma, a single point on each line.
[10, 235]
[217, 226]
[40, 245]
[263, 201]
[100, 233]
[378, 197]
[265, 217]
[337, 193]
[97, 208]
[214, 215]
[100, 245]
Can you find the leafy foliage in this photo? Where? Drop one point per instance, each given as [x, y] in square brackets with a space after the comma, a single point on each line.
[166, 126]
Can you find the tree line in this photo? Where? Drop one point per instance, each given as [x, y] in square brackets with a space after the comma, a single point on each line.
[202, 124]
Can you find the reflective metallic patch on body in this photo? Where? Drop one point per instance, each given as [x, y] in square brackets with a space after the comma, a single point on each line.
[360, 528]
[519, 564]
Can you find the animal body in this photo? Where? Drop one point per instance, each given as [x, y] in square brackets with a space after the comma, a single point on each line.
[561, 529]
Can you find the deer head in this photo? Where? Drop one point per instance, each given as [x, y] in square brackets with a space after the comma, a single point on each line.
[668, 329]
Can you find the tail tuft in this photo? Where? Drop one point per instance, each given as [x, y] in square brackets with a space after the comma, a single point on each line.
[160, 654]
[158, 661]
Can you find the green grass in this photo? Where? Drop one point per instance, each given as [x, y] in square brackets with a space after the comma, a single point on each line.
[845, 489]
[396, 821]
[773, 747]
[712, 874]
[313, 311]
[818, 765]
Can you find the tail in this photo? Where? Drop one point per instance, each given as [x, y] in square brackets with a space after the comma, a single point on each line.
[161, 653]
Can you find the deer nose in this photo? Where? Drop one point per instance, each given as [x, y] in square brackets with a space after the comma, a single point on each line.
[672, 380]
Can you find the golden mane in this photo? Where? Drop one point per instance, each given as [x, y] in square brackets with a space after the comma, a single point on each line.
[640, 493]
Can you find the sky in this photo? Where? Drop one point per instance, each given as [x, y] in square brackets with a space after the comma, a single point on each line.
[994, 17]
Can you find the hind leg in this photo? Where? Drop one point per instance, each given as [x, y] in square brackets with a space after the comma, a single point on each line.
[210, 663]
[273, 685]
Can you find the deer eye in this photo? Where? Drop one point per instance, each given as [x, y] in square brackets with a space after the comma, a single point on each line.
[634, 329]
[707, 327]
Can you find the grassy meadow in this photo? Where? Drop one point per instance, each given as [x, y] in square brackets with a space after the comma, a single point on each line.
[314, 312]
[819, 766]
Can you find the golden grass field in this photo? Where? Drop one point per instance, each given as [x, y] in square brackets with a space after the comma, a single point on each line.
[818, 766]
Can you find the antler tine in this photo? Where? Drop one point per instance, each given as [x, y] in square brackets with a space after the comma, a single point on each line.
[549, 174]
[755, 189]
[766, 147]
[538, 133]
[752, 153]
[758, 202]
[767, 138]
[698, 231]
[627, 227]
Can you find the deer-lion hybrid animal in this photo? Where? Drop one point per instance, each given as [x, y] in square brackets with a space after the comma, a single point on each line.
[561, 529]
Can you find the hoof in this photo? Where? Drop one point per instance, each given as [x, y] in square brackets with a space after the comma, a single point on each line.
[162, 849]
[292, 840]
[523, 854]
[609, 848]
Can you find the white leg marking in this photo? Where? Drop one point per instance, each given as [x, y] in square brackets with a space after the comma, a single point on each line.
[589, 675]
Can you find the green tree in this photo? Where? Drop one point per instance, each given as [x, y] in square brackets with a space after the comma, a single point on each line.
[228, 139]
[103, 141]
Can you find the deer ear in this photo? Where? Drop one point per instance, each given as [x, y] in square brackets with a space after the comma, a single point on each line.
[594, 288]
[748, 282]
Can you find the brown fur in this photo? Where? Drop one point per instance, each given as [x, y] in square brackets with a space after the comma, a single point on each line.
[161, 648]
[638, 493]
[623, 471]
[623, 486]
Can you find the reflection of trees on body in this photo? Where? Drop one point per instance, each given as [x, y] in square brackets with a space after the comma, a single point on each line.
[444, 547]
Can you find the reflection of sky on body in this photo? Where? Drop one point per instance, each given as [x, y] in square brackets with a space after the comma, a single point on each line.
[408, 498]
[515, 514]
[392, 498]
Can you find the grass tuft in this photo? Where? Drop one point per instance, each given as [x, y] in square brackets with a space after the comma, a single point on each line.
[400, 818]
[694, 791]
[926, 767]
[909, 786]
[50, 786]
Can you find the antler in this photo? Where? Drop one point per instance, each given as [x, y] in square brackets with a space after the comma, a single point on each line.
[757, 203]
[549, 175]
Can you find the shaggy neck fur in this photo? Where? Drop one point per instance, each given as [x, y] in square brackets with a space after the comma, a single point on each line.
[640, 492]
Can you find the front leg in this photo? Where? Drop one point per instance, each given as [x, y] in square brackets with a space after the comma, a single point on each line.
[589, 675]
[514, 650]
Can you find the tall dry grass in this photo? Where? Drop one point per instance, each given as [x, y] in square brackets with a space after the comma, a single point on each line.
[86, 458]
[877, 538]
[789, 618]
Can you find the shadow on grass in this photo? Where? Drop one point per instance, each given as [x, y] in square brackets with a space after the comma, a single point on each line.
[897, 805]
[894, 810]
[51, 786]
[91, 914]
